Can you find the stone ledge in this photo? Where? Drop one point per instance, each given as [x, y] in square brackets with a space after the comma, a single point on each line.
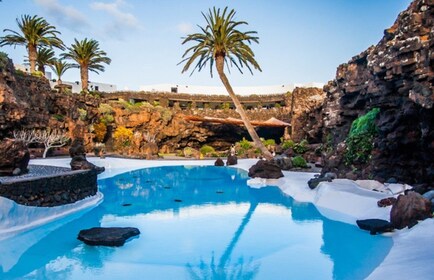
[58, 188]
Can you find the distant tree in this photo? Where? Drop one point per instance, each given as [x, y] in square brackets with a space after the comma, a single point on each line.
[35, 32]
[51, 139]
[221, 42]
[59, 67]
[88, 57]
[44, 57]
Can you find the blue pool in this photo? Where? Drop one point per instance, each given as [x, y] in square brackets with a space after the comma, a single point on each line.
[196, 223]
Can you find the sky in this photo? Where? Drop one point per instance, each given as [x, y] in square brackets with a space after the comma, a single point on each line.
[300, 41]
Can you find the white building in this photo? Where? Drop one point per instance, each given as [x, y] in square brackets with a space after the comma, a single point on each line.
[220, 90]
[93, 86]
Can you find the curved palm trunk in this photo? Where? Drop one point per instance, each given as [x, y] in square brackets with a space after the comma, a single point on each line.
[41, 68]
[32, 57]
[252, 132]
[84, 73]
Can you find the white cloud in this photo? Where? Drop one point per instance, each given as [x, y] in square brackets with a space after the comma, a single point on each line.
[120, 21]
[64, 15]
[185, 28]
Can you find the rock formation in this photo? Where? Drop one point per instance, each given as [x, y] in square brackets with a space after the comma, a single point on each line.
[409, 209]
[265, 169]
[14, 157]
[78, 155]
[396, 76]
[112, 236]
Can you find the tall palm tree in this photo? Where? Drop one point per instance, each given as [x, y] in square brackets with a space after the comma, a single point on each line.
[221, 42]
[89, 57]
[35, 32]
[59, 67]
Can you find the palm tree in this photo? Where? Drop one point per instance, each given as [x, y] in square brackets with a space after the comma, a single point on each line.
[89, 57]
[221, 42]
[59, 66]
[35, 32]
[45, 56]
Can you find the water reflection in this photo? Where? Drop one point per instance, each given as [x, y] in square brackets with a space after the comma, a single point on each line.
[218, 229]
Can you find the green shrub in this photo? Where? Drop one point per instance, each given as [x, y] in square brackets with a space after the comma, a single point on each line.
[299, 161]
[58, 117]
[207, 150]
[360, 138]
[38, 74]
[302, 147]
[82, 114]
[3, 60]
[107, 113]
[268, 142]
[287, 144]
[245, 144]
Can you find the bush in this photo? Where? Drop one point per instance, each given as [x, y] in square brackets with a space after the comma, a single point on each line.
[58, 117]
[269, 142]
[3, 60]
[299, 161]
[245, 144]
[38, 74]
[288, 144]
[360, 138]
[82, 114]
[123, 137]
[100, 130]
[107, 113]
[207, 150]
[302, 147]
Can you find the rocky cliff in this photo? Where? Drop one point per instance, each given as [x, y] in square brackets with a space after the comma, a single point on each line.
[396, 76]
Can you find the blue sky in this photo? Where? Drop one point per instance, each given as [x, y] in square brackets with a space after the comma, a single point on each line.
[300, 40]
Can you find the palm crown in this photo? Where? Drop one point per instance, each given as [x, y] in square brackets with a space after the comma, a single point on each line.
[221, 37]
[88, 57]
[59, 67]
[35, 32]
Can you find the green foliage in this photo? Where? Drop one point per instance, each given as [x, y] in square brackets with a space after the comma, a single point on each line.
[225, 106]
[188, 152]
[82, 114]
[58, 117]
[302, 147]
[19, 72]
[3, 60]
[38, 74]
[123, 137]
[268, 142]
[299, 161]
[287, 144]
[166, 114]
[207, 150]
[245, 144]
[107, 113]
[360, 139]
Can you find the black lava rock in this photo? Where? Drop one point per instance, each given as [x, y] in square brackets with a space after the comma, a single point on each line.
[111, 236]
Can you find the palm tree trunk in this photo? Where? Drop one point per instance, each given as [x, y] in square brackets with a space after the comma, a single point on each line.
[84, 72]
[252, 132]
[32, 57]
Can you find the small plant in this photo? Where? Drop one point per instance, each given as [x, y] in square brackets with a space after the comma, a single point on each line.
[360, 138]
[268, 142]
[107, 113]
[245, 144]
[82, 114]
[3, 60]
[302, 147]
[38, 74]
[299, 161]
[207, 150]
[58, 117]
[188, 152]
[123, 137]
[21, 73]
[288, 144]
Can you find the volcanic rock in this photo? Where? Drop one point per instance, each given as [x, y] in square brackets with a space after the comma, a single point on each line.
[232, 160]
[14, 157]
[375, 226]
[265, 169]
[112, 236]
[409, 209]
[219, 162]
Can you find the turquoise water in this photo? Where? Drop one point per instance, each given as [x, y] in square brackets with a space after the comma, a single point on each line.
[196, 223]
